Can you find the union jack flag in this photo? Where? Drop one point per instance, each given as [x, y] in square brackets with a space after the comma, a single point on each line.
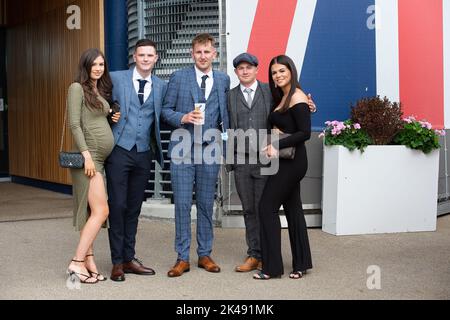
[349, 49]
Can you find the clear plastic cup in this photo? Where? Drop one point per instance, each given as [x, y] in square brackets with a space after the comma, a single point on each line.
[200, 107]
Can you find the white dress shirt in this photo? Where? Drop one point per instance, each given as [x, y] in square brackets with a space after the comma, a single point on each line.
[209, 81]
[148, 85]
[254, 86]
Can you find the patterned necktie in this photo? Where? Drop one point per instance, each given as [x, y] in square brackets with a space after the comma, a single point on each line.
[141, 90]
[249, 91]
[203, 85]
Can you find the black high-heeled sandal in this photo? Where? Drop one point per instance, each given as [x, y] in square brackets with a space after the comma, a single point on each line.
[296, 274]
[262, 276]
[96, 275]
[73, 274]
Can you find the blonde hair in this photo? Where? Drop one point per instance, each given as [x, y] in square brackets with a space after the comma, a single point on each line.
[203, 38]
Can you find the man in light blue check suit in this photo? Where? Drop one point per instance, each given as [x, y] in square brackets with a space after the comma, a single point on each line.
[196, 84]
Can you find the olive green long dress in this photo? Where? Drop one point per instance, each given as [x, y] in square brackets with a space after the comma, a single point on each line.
[91, 131]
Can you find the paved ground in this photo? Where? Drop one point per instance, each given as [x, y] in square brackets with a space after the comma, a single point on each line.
[36, 252]
[20, 203]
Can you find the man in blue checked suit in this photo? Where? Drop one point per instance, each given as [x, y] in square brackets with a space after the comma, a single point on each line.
[137, 142]
[189, 170]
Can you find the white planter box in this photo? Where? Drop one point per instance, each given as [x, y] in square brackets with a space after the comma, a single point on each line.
[383, 190]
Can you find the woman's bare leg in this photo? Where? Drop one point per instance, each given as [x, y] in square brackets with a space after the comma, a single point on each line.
[98, 204]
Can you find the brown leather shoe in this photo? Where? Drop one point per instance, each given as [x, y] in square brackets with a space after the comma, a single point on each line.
[250, 264]
[208, 264]
[117, 273]
[178, 269]
[135, 266]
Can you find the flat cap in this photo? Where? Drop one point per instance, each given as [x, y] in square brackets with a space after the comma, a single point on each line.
[245, 57]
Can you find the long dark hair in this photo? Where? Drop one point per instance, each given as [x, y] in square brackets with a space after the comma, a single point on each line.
[104, 84]
[277, 93]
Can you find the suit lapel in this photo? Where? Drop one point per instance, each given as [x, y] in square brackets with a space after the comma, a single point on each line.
[156, 90]
[267, 99]
[222, 98]
[243, 98]
[218, 83]
[258, 96]
[234, 97]
[194, 85]
[129, 89]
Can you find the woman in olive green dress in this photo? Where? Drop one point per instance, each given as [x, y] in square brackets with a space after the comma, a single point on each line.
[88, 109]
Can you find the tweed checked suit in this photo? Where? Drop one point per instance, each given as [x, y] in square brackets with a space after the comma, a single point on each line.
[183, 91]
[248, 179]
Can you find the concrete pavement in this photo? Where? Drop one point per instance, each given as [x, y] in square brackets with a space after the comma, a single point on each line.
[36, 252]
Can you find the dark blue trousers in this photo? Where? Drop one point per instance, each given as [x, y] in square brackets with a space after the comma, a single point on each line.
[127, 174]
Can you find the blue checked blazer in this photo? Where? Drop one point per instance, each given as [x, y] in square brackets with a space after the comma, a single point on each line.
[183, 92]
[123, 92]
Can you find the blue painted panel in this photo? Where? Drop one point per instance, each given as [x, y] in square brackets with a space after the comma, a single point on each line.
[340, 61]
[116, 34]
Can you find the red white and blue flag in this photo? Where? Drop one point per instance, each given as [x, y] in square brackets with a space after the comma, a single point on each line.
[349, 49]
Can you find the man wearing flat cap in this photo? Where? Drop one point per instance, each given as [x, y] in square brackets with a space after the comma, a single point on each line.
[249, 106]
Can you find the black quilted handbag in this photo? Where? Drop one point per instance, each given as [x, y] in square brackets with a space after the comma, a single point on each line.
[71, 160]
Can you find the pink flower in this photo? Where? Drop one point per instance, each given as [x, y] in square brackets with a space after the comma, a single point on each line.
[357, 126]
[340, 126]
[425, 124]
[409, 119]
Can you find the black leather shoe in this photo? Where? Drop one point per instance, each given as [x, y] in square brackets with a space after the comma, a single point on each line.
[135, 266]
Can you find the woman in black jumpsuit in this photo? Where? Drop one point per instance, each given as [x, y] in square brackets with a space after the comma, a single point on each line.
[290, 115]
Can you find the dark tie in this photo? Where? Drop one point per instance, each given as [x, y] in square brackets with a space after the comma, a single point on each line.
[142, 83]
[203, 85]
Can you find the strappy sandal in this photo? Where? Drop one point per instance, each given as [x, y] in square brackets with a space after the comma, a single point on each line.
[296, 274]
[262, 276]
[95, 275]
[73, 275]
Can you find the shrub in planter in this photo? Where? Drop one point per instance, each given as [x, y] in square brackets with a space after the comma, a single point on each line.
[418, 135]
[379, 121]
[347, 134]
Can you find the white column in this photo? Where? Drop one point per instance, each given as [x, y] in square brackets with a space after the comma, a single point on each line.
[239, 16]
[387, 44]
[301, 28]
[446, 13]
